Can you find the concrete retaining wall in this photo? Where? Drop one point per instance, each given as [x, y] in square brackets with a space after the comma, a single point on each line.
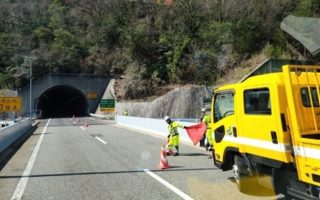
[155, 126]
[185, 102]
[10, 134]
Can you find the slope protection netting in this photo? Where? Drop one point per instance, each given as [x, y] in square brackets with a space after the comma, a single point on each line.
[306, 30]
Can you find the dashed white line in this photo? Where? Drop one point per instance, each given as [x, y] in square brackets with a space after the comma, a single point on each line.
[168, 185]
[82, 128]
[25, 177]
[101, 140]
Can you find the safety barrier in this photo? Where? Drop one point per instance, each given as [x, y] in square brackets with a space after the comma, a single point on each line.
[98, 116]
[156, 126]
[10, 134]
[104, 117]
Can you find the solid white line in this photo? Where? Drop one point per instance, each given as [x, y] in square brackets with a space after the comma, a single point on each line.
[17, 195]
[167, 184]
[101, 140]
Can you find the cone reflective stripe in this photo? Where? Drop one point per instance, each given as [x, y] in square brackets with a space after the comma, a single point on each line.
[163, 159]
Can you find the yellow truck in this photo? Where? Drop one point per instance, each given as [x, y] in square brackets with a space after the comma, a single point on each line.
[269, 124]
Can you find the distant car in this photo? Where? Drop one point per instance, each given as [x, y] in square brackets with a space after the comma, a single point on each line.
[6, 123]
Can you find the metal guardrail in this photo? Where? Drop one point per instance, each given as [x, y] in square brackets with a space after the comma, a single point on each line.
[106, 117]
[190, 120]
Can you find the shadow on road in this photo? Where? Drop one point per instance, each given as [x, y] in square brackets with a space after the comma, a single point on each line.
[193, 154]
[36, 134]
[256, 189]
[171, 169]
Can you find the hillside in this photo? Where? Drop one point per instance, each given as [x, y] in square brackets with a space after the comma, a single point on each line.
[147, 46]
[186, 101]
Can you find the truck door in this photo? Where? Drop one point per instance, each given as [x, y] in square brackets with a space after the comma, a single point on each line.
[224, 123]
[259, 122]
[303, 93]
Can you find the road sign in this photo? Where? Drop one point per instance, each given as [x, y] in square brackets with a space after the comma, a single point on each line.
[10, 104]
[108, 110]
[91, 95]
[107, 103]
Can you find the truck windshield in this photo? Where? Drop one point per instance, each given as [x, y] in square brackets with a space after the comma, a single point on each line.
[223, 105]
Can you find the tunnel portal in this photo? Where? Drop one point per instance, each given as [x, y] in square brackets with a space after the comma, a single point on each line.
[62, 101]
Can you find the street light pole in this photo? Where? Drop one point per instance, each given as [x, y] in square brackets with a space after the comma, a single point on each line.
[30, 109]
[30, 79]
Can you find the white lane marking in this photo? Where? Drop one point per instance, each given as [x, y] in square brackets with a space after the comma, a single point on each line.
[168, 185]
[101, 140]
[82, 128]
[17, 195]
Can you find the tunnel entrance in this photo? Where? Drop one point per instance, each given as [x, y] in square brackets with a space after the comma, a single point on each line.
[62, 101]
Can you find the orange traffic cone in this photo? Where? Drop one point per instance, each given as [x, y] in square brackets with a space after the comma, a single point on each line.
[86, 123]
[163, 159]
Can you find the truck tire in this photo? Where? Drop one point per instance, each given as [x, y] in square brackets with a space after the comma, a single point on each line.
[280, 181]
[241, 174]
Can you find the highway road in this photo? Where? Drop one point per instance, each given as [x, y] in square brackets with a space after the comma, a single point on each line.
[63, 160]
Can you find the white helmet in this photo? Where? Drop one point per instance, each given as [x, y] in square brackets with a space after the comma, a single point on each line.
[166, 118]
[203, 109]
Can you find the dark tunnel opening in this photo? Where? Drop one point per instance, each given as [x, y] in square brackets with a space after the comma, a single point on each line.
[62, 101]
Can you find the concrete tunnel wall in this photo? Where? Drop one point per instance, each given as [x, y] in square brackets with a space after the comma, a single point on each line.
[84, 83]
[62, 101]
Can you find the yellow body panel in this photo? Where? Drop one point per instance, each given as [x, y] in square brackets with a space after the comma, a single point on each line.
[309, 166]
[288, 130]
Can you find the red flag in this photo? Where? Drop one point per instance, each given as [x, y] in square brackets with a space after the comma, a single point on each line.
[196, 132]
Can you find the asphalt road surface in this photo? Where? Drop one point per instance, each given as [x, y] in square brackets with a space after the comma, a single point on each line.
[66, 160]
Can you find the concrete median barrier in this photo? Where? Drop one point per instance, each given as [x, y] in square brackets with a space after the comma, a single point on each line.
[155, 126]
[12, 133]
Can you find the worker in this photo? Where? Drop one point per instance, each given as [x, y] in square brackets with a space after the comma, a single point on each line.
[125, 113]
[202, 115]
[207, 120]
[173, 137]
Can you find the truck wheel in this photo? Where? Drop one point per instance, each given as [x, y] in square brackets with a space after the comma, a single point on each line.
[280, 180]
[241, 174]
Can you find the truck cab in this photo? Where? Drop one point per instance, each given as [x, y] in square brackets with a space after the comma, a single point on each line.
[269, 124]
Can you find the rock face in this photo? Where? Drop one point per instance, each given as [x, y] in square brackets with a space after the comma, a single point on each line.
[183, 102]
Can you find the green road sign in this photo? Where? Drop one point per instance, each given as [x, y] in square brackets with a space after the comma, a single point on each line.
[107, 103]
